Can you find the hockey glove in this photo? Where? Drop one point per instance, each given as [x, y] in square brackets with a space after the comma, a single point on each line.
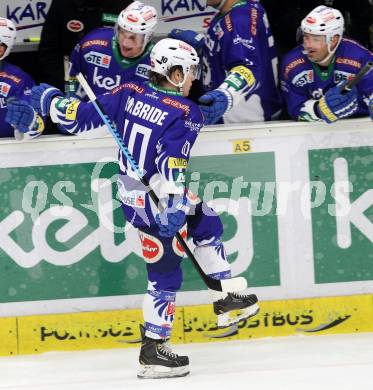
[336, 104]
[24, 118]
[214, 104]
[42, 96]
[191, 37]
[172, 219]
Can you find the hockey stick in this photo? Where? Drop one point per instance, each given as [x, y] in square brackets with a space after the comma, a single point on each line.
[18, 135]
[362, 72]
[228, 285]
[66, 73]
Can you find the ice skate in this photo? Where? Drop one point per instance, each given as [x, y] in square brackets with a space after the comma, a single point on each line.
[158, 361]
[234, 308]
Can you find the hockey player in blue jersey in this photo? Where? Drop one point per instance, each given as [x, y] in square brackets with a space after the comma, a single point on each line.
[14, 83]
[160, 125]
[313, 74]
[239, 63]
[109, 57]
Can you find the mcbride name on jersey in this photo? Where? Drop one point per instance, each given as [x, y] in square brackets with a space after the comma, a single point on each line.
[13, 83]
[98, 57]
[302, 80]
[243, 37]
[158, 126]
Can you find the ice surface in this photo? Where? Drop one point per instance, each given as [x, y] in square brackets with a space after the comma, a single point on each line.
[343, 362]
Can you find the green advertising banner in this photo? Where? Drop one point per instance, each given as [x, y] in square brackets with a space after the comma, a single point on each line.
[297, 210]
[63, 235]
[343, 223]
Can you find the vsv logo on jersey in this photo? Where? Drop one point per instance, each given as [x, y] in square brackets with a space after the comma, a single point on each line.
[4, 89]
[99, 59]
[105, 82]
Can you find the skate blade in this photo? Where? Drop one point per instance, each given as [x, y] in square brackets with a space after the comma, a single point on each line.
[158, 372]
[227, 319]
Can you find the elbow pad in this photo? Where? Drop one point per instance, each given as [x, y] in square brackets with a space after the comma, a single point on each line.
[63, 110]
[239, 82]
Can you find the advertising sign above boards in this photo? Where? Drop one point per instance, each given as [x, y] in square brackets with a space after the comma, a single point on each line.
[29, 16]
[184, 14]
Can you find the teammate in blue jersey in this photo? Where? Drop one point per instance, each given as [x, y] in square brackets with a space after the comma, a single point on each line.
[109, 57]
[14, 83]
[159, 125]
[239, 63]
[313, 74]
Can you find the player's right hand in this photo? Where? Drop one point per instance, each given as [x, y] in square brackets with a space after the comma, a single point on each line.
[191, 37]
[172, 218]
[21, 115]
[214, 104]
[42, 96]
[337, 104]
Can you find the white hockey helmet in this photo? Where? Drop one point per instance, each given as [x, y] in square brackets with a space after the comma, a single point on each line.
[168, 53]
[8, 34]
[138, 18]
[324, 21]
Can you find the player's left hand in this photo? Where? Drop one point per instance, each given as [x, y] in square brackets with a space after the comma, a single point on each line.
[191, 37]
[214, 104]
[21, 115]
[172, 219]
[336, 104]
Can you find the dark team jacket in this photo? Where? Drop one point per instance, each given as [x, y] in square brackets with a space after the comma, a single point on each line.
[67, 22]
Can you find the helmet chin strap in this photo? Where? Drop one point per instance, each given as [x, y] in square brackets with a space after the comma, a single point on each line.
[179, 85]
[325, 61]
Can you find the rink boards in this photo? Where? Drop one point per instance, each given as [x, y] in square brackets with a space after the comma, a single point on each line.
[193, 324]
[296, 201]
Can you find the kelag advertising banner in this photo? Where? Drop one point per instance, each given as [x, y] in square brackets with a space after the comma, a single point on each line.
[296, 201]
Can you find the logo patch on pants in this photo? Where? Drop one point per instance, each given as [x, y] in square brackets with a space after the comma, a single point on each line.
[152, 248]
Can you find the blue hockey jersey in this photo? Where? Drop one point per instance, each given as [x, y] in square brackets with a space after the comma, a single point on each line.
[243, 37]
[14, 82]
[98, 58]
[302, 80]
[158, 126]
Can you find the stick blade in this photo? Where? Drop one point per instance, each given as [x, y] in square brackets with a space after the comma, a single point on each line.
[18, 135]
